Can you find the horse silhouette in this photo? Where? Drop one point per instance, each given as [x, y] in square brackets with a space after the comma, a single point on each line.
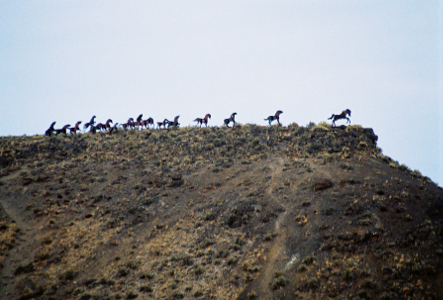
[203, 120]
[275, 117]
[341, 116]
[231, 119]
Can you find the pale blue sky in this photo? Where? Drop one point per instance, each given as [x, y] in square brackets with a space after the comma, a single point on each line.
[65, 61]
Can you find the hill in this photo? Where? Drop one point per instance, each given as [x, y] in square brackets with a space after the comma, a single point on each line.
[248, 212]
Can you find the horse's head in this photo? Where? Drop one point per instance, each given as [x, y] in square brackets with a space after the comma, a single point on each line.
[208, 116]
[279, 112]
[348, 111]
[109, 121]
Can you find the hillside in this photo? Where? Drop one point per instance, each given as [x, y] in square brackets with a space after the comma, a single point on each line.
[248, 212]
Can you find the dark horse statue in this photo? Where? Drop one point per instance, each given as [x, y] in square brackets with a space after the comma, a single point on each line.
[114, 128]
[50, 129]
[231, 119]
[75, 128]
[105, 126]
[147, 122]
[129, 124]
[204, 120]
[90, 124]
[275, 117]
[164, 123]
[341, 116]
[62, 130]
[174, 123]
[138, 122]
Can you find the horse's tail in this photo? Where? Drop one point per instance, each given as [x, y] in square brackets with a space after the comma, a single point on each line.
[331, 117]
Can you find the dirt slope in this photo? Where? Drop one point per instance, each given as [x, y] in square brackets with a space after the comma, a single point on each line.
[245, 213]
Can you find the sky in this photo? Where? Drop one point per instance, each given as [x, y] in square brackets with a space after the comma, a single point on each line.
[65, 61]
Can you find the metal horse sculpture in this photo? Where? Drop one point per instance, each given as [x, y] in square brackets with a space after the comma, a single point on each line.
[129, 124]
[90, 123]
[75, 128]
[340, 116]
[114, 128]
[231, 119]
[146, 123]
[105, 126]
[174, 123]
[50, 129]
[275, 117]
[203, 120]
[164, 123]
[62, 130]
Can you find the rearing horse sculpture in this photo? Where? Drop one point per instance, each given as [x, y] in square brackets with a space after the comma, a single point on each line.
[231, 119]
[204, 120]
[91, 124]
[108, 124]
[341, 116]
[50, 129]
[139, 121]
[275, 117]
[174, 123]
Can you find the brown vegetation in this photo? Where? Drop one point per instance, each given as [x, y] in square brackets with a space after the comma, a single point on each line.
[249, 212]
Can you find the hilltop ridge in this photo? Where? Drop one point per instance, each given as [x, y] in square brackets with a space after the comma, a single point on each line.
[249, 212]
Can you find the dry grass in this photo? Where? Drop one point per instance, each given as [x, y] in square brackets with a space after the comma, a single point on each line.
[219, 213]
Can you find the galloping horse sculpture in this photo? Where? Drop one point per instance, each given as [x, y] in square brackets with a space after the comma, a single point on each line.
[62, 130]
[75, 128]
[275, 117]
[204, 120]
[231, 119]
[129, 124]
[341, 116]
[105, 126]
[164, 123]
